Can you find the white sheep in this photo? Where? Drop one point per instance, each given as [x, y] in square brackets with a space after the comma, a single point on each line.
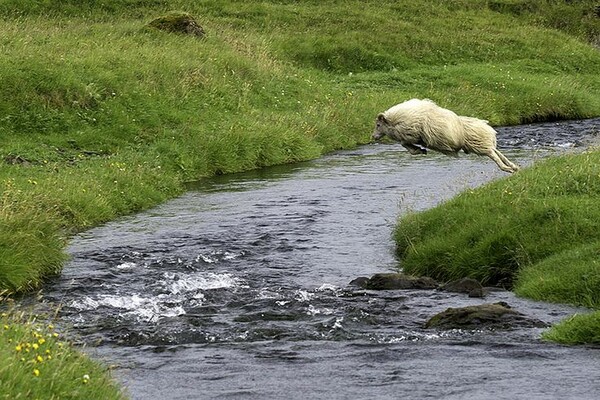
[419, 124]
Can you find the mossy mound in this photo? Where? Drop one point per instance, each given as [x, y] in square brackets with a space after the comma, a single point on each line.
[182, 23]
[485, 316]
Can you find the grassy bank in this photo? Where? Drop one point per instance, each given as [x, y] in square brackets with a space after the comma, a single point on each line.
[101, 116]
[536, 232]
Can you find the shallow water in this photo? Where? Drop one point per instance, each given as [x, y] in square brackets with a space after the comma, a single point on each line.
[240, 288]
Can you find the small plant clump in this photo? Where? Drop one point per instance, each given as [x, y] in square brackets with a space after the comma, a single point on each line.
[178, 23]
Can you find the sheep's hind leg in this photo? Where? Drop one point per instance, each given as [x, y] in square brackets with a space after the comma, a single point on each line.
[506, 167]
[506, 161]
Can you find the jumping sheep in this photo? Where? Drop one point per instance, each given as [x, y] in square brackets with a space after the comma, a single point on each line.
[420, 124]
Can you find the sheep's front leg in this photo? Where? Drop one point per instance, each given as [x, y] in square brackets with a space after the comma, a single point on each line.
[414, 149]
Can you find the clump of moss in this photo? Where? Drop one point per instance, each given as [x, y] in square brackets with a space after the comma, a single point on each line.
[178, 22]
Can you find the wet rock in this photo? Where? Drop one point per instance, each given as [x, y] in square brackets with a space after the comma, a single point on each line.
[178, 23]
[485, 316]
[394, 281]
[466, 285]
[361, 281]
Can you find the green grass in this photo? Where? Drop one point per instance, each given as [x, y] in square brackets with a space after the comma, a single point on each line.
[37, 363]
[570, 276]
[102, 116]
[579, 329]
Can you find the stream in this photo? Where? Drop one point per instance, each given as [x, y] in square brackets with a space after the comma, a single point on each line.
[239, 289]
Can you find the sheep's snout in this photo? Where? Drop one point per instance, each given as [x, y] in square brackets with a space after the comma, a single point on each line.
[381, 127]
[377, 134]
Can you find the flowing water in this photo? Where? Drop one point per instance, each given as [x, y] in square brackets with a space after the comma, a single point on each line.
[240, 288]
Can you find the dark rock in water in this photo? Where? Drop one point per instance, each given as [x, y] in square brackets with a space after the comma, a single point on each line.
[361, 281]
[178, 23]
[485, 316]
[466, 285]
[394, 281]
[479, 293]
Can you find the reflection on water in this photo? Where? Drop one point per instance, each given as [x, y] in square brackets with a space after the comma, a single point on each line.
[239, 288]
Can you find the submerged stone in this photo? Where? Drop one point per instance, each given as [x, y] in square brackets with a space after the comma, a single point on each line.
[178, 23]
[490, 316]
[469, 286]
[395, 281]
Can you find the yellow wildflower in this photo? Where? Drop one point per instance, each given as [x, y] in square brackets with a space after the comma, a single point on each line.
[18, 347]
[39, 359]
[36, 372]
[41, 341]
[35, 346]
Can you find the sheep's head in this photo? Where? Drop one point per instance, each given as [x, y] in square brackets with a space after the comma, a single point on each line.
[382, 127]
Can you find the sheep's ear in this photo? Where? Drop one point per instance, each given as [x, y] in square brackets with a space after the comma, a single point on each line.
[381, 118]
